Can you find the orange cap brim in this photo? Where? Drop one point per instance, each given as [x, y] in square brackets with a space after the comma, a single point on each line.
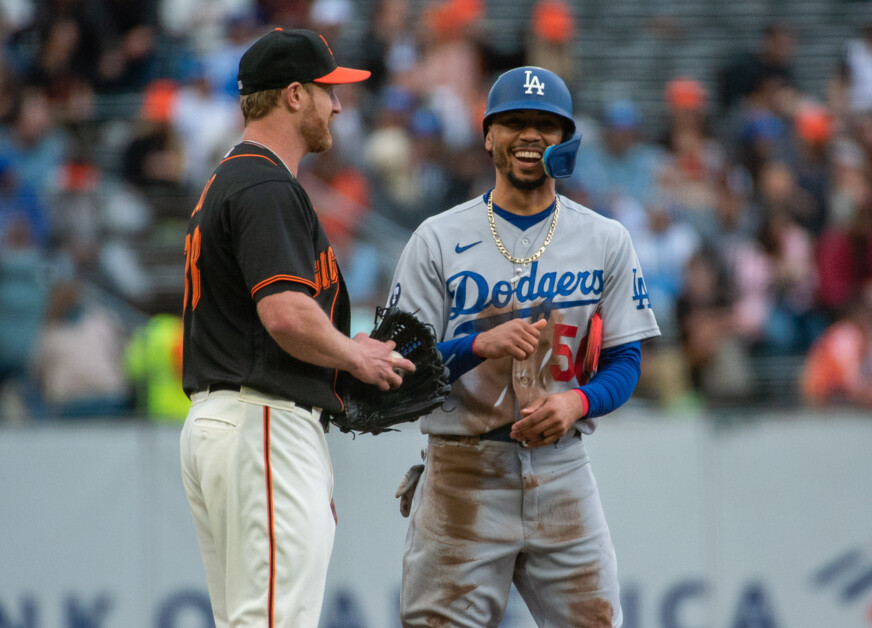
[344, 75]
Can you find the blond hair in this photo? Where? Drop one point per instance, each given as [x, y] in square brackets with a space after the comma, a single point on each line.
[257, 105]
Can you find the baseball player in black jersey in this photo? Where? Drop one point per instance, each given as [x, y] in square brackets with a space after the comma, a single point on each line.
[267, 318]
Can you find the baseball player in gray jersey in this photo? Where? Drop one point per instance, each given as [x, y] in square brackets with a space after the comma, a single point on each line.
[510, 281]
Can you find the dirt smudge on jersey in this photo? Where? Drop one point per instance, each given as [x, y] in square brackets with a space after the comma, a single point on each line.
[487, 391]
[488, 399]
[532, 378]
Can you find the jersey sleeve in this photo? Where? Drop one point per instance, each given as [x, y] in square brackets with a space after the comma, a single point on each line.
[626, 309]
[615, 380]
[418, 284]
[272, 235]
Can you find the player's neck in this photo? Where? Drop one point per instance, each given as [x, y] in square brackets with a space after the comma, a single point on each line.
[523, 202]
[275, 139]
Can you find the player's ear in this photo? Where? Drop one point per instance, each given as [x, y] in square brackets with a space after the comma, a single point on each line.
[293, 96]
[489, 140]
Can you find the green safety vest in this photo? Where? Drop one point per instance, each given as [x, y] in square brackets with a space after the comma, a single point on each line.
[154, 364]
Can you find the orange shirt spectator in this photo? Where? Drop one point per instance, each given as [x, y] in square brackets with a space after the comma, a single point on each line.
[838, 368]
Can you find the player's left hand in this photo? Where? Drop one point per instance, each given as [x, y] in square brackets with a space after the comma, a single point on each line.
[547, 419]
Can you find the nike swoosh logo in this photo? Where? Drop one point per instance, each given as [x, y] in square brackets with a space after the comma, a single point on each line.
[461, 249]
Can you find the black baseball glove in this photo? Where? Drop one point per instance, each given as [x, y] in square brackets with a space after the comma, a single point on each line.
[370, 410]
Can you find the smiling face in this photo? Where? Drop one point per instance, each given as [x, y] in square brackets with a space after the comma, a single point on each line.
[517, 140]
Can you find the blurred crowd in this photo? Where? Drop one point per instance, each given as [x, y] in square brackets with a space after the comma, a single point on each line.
[749, 200]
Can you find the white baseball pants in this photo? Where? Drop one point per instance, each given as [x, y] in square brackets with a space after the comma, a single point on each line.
[259, 480]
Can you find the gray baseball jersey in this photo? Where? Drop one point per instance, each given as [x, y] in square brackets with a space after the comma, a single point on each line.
[453, 275]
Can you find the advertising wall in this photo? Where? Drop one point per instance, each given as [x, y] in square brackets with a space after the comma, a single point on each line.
[767, 524]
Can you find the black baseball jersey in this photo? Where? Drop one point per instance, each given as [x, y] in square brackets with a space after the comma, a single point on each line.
[254, 233]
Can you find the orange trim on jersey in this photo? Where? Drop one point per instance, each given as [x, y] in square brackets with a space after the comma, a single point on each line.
[199, 205]
[271, 597]
[249, 155]
[276, 278]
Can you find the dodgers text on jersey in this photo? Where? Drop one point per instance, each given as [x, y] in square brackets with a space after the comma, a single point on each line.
[472, 294]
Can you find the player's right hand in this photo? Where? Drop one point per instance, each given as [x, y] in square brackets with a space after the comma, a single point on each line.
[515, 338]
[375, 365]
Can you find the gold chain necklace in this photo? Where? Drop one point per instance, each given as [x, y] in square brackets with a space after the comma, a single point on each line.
[499, 242]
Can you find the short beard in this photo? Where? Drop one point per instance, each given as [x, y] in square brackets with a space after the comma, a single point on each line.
[315, 131]
[525, 185]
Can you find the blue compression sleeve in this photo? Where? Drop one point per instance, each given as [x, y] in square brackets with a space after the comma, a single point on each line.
[613, 384]
[458, 356]
[615, 380]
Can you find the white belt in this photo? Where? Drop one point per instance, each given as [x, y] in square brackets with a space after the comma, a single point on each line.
[250, 395]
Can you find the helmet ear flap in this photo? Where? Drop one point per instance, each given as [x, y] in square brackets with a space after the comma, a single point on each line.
[559, 159]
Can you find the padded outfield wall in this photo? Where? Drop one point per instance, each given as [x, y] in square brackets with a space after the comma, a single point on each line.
[765, 523]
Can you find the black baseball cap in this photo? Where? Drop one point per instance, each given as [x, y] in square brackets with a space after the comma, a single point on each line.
[284, 56]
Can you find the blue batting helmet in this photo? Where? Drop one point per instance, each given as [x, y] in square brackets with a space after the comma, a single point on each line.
[530, 87]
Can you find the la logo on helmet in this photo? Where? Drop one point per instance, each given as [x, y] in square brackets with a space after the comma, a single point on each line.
[532, 83]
